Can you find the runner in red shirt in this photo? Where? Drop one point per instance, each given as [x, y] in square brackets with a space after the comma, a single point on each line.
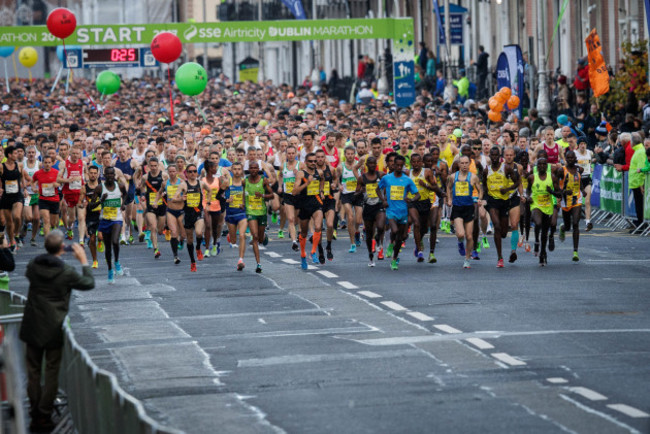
[48, 197]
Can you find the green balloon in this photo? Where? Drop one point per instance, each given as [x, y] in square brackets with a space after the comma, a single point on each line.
[108, 82]
[191, 78]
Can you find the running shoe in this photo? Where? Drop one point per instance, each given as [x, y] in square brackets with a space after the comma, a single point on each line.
[536, 250]
[590, 226]
[280, 234]
[32, 242]
[371, 263]
[321, 255]
[380, 254]
[575, 257]
[295, 246]
[432, 258]
[389, 250]
[475, 256]
[41, 233]
[122, 241]
[562, 234]
[461, 248]
[374, 246]
[274, 219]
[82, 243]
[118, 269]
[357, 238]
[207, 253]
[215, 250]
[69, 234]
[156, 253]
[330, 255]
[521, 242]
[394, 265]
[111, 277]
[334, 235]
[177, 260]
[240, 265]
[303, 263]
[314, 258]
[486, 243]
[466, 264]
[478, 247]
[60, 222]
[551, 244]
[500, 263]
[490, 229]
[95, 264]
[199, 254]
[527, 246]
[149, 244]
[181, 244]
[353, 248]
[141, 237]
[131, 239]
[100, 246]
[258, 269]
[542, 259]
[343, 225]
[420, 257]
[168, 234]
[266, 240]
[513, 257]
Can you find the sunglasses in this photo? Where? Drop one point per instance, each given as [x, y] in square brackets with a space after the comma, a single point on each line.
[192, 171]
[477, 149]
[311, 161]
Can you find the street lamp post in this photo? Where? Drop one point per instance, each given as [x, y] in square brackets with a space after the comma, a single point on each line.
[543, 103]
[449, 89]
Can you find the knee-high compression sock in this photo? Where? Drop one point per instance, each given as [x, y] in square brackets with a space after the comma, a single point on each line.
[174, 244]
[303, 243]
[199, 242]
[116, 251]
[514, 239]
[316, 242]
[190, 250]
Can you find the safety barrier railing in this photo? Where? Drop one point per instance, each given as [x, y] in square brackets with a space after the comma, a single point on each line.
[96, 401]
[613, 203]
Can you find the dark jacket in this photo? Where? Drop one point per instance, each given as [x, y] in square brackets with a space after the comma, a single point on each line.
[50, 283]
[6, 260]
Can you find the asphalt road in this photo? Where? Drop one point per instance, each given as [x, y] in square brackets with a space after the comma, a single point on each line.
[345, 348]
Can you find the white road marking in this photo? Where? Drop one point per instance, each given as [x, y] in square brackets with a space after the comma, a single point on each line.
[347, 285]
[262, 248]
[369, 294]
[609, 261]
[273, 254]
[420, 316]
[327, 274]
[261, 320]
[312, 267]
[605, 416]
[290, 261]
[629, 411]
[480, 343]
[394, 306]
[557, 380]
[446, 328]
[588, 393]
[508, 359]
[316, 358]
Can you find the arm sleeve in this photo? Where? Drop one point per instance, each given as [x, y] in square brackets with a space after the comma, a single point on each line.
[83, 281]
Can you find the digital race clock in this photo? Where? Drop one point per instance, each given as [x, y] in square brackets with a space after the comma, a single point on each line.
[109, 58]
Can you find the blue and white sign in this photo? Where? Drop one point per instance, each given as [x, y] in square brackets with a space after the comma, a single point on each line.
[628, 199]
[76, 58]
[456, 29]
[295, 6]
[404, 83]
[503, 71]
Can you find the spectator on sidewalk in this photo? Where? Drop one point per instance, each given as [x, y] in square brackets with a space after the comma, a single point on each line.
[423, 57]
[6, 257]
[623, 165]
[51, 281]
[482, 72]
[636, 178]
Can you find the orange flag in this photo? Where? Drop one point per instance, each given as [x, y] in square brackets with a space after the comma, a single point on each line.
[598, 75]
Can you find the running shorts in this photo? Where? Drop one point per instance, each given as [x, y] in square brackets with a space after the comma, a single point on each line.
[462, 212]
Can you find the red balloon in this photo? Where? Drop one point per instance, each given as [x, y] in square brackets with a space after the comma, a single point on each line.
[61, 22]
[166, 47]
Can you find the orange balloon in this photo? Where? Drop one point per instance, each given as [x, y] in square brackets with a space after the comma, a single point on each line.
[501, 97]
[494, 104]
[494, 116]
[513, 102]
[506, 91]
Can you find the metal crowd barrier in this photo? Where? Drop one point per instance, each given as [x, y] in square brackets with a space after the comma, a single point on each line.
[97, 403]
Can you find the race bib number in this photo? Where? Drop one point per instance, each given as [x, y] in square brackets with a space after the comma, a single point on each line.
[397, 192]
[371, 190]
[312, 188]
[288, 184]
[326, 188]
[171, 191]
[194, 200]
[494, 185]
[152, 199]
[110, 213]
[237, 200]
[48, 190]
[544, 200]
[255, 203]
[27, 201]
[462, 188]
[75, 185]
[351, 184]
[11, 187]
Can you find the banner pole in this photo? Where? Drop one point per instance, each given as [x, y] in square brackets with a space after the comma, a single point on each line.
[13, 58]
[56, 80]
[67, 83]
[6, 76]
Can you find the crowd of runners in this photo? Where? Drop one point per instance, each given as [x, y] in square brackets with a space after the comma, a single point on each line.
[118, 172]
